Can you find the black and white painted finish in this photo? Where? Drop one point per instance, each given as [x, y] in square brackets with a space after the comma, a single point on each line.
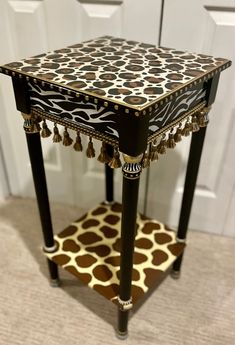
[175, 109]
[87, 115]
[103, 120]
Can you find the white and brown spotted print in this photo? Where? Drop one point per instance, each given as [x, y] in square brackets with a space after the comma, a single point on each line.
[90, 249]
[123, 71]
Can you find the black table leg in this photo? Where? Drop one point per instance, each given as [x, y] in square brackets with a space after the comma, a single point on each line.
[39, 177]
[109, 172]
[189, 188]
[131, 174]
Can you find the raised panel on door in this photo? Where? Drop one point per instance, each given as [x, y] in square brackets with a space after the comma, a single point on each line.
[35, 26]
[25, 28]
[63, 22]
[16, 16]
[201, 27]
[100, 18]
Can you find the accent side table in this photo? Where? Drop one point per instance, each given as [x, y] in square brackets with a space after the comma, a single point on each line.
[137, 99]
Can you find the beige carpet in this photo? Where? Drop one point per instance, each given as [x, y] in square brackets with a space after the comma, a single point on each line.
[197, 309]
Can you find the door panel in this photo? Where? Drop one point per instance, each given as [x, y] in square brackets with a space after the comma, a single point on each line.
[23, 15]
[141, 20]
[26, 29]
[202, 28]
[31, 27]
[98, 18]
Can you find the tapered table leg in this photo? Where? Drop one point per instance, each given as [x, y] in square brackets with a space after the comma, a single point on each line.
[189, 188]
[39, 178]
[131, 174]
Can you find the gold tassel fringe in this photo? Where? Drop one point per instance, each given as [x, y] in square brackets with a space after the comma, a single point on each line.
[153, 155]
[115, 161]
[146, 160]
[56, 137]
[67, 140]
[178, 134]
[171, 142]
[78, 143]
[35, 126]
[187, 129]
[203, 118]
[46, 132]
[161, 147]
[90, 152]
[194, 125]
[103, 156]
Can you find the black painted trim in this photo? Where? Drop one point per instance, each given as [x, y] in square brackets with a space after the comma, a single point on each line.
[22, 99]
[212, 89]
[133, 134]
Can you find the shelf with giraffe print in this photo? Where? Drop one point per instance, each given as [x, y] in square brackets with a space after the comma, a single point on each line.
[89, 248]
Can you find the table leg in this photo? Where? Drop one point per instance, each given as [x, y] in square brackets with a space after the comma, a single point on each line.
[131, 174]
[189, 188]
[109, 172]
[39, 178]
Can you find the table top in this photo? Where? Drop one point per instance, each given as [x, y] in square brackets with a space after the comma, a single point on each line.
[118, 71]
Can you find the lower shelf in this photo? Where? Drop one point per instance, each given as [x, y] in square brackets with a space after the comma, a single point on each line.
[90, 249]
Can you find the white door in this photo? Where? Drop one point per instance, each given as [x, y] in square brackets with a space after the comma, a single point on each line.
[31, 27]
[206, 26]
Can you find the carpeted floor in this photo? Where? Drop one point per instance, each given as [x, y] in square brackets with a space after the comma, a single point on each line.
[197, 309]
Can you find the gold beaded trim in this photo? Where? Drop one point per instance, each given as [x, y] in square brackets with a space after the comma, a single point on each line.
[191, 121]
[103, 101]
[165, 129]
[76, 127]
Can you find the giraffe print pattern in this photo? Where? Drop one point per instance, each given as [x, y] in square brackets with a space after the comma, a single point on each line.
[90, 249]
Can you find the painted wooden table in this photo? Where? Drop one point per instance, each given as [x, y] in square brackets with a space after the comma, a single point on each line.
[137, 99]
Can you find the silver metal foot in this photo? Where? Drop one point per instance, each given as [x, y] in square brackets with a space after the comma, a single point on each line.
[55, 282]
[121, 335]
[106, 202]
[175, 274]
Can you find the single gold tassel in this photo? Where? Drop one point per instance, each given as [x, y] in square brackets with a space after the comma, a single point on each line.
[90, 152]
[203, 118]
[153, 151]
[56, 137]
[46, 132]
[78, 143]
[37, 118]
[146, 160]
[103, 156]
[194, 125]
[178, 134]
[187, 129]
[35, 126]
[170, 144]
[67, 140]
[161, 147]
[115, 161]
